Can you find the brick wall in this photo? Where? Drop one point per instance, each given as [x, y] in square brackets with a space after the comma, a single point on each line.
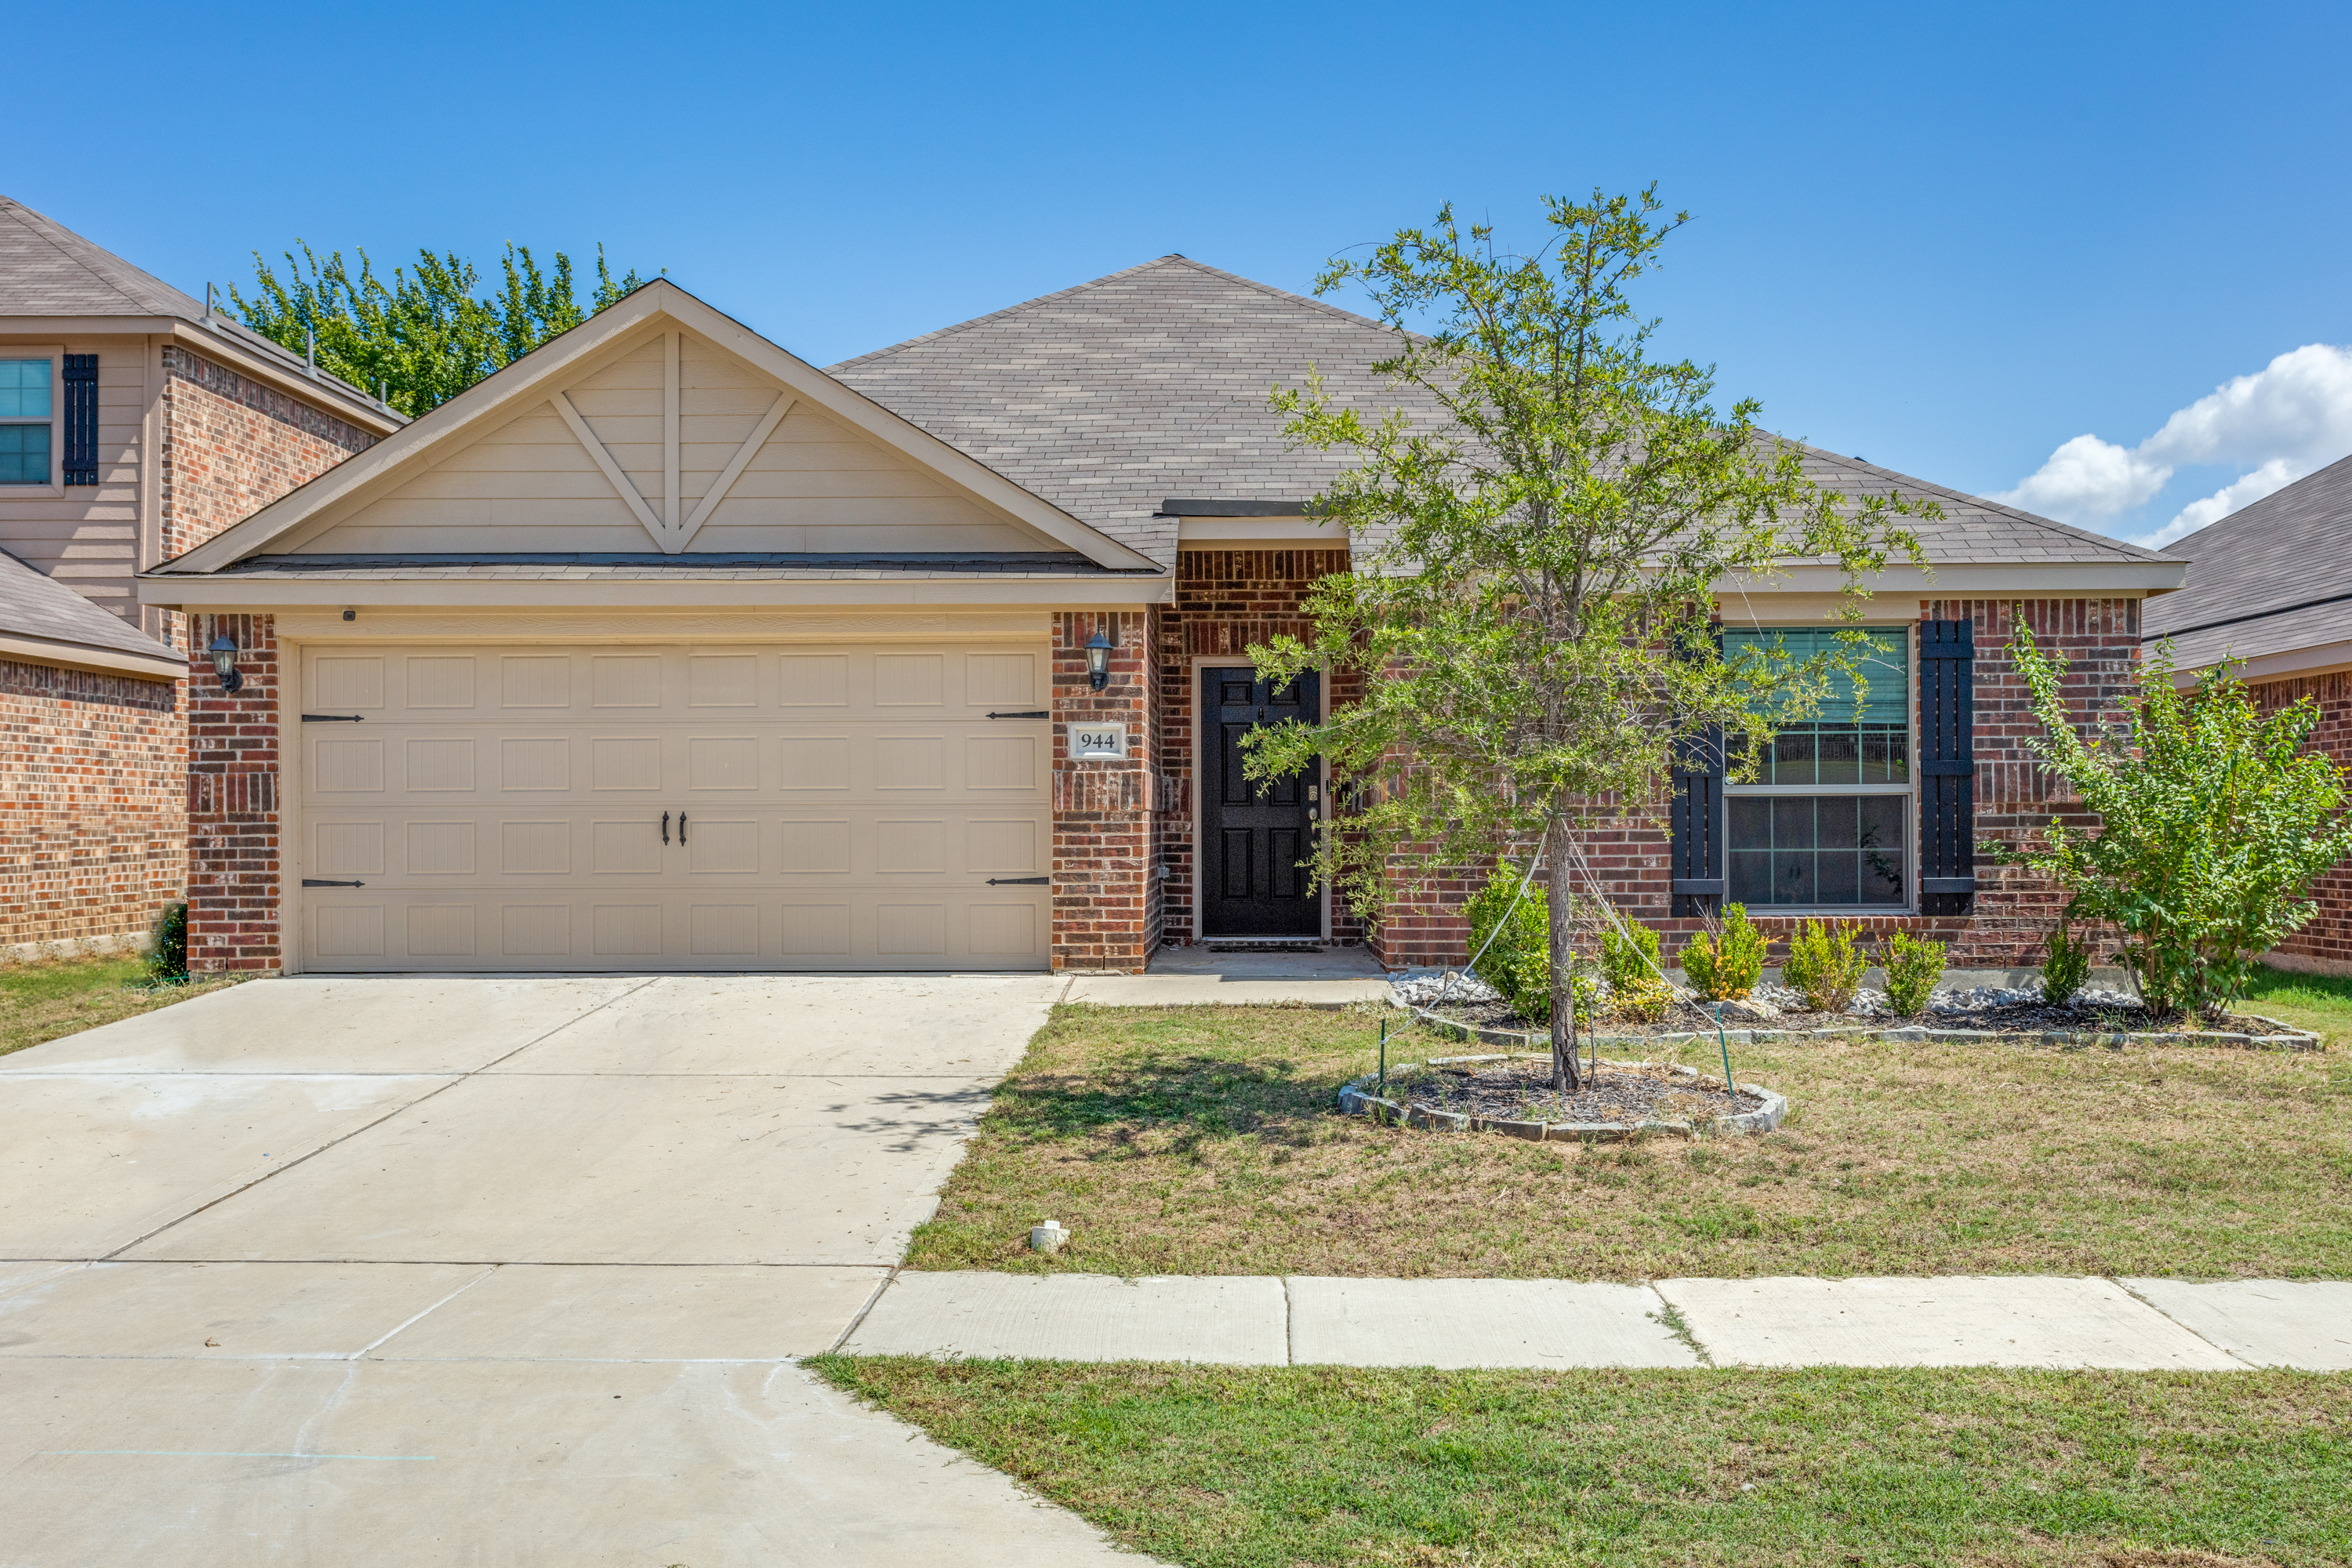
[2014, 796]
[1107, 906]
[233, 802]
[2324, 946]
[1226, 600]
[91, 813]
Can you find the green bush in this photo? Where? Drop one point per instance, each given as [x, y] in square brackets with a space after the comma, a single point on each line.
[1913, 967]
[1517, 963]
[2065, 964]
[167, 944]
[1825, 965]
[1630, 956]
[1725, 969]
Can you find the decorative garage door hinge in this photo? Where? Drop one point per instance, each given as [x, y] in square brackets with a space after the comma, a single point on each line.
[1024, 713]
[1020, 881]
[324, 882]
[334, 718]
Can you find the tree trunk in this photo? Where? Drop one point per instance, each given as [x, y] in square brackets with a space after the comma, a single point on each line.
[1559, 900]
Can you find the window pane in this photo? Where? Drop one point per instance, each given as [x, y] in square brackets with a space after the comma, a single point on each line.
[24, 389]
[1751, 876]
[1880, 820]
[1840, 756]
[1752, 822]
[1837, 816]
[24, 454]
[1837, 874]
[1882, 876]
[1792, 878]
[1792, 822]
[1884, 665]
[1792, 756]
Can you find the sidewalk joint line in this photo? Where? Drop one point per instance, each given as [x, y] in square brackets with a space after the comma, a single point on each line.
[452, 1082]
[2222, 1352]
[871, 1301]
[420, 1317]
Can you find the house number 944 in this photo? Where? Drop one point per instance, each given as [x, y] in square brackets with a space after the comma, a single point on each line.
[1099, 741]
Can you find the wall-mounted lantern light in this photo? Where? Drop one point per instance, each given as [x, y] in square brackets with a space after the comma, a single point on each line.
[224, 651]
[1098, 660]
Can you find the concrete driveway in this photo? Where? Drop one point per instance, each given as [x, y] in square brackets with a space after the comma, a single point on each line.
[488, 1271]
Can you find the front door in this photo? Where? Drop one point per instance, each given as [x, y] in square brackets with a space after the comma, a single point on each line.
[1253, 837]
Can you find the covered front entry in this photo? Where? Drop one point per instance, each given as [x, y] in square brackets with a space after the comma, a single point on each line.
[1255, 836]
[531, 807]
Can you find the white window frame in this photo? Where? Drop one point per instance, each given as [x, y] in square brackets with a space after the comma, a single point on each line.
[56, 354]
[1909, 791]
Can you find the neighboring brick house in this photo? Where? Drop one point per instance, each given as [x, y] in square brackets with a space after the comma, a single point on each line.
[134, 424]
[662, 648]
[2271, 586]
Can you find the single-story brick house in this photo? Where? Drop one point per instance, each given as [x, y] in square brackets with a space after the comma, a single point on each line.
[2272, 586]
[663, 648]
[134, 424]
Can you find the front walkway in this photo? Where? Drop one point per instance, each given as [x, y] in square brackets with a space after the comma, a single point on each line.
[481, 1270]
[2130, 1324]
[1182, 976]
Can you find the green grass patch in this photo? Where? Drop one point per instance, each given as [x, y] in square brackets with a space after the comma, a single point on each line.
[42, 1002]
[1268, 1468]
[2320, 1003]
[1205, 1141]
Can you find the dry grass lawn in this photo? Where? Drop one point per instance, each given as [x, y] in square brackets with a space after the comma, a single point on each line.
[48, 1001]
[1277, 1467]
[1203, 1140]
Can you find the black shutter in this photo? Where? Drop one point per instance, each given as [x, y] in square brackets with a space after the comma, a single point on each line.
[81, 419]
[1695, 816]
[1948, 767]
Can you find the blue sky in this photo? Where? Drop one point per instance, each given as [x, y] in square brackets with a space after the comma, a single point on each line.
[1949, 240]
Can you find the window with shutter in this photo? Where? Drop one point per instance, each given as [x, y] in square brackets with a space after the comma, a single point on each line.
[81, 376]
[1948, 767]
[1694, 818]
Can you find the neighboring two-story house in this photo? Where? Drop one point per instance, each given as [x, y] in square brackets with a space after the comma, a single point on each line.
[662, 648]
[134, 424]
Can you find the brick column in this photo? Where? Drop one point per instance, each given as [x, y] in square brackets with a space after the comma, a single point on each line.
[1107, 903]
[233, 802]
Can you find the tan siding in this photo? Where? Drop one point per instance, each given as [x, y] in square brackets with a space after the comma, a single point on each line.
[814, 484]
[89, 536]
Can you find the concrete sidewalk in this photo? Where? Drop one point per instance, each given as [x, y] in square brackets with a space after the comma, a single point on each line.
[1181, 977]
[2027, 1321]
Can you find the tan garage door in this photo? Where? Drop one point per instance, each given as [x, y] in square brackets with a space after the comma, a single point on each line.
[538, 807]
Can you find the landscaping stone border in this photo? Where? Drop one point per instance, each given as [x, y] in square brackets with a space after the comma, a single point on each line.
[2293, 1039]
[1356, 1099]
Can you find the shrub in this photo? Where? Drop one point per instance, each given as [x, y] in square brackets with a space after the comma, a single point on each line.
[1725, 969]
[167, 944]
[2213, 824]
[1630, 956]
[1825, 965]
[1517, 963]
[2065, 964]
[1913, 967]
[1644, 1000]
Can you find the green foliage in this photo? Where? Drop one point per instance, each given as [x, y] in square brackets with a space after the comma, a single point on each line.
[1517, 963]
[2065, 963]
[1913, 966]
[167, 944]
[1825, 965]
[1538, 543]
[1628, 956]
[425, 337]
[2214, 824]
[1726, 968]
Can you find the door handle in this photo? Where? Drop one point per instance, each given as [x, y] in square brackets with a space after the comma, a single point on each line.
[681, 827]
[665, 828]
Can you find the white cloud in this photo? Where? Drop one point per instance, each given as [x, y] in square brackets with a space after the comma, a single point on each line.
[2293, 416]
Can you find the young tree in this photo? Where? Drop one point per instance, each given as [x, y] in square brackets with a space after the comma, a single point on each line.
[423, 338]
[2214, 824]
[1536, 560]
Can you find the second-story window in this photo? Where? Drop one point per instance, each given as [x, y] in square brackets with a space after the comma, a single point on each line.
[27, 410]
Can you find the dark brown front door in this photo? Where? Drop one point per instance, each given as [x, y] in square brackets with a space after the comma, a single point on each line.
[1253, 837]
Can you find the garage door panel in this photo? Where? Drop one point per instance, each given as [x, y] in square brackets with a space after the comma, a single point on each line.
[503, 808]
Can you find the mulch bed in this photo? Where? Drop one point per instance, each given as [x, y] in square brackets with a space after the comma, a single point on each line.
[2016, 1018]
[1522, 1091]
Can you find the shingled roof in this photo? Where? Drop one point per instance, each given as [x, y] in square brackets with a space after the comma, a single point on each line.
[48, 269]
[2268, 578]
[36, 606]
[1109, 398]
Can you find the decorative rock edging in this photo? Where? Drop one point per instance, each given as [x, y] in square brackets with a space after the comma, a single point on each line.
[2290, 1040]
[1357, 1099]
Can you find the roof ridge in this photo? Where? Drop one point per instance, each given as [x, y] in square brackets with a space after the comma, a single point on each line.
[2226, 517]
[134, 283]
[2036, 518]
[1173, 257]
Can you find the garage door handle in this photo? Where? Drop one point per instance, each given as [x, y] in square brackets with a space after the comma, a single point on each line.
[681, 827]
[665, 827]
